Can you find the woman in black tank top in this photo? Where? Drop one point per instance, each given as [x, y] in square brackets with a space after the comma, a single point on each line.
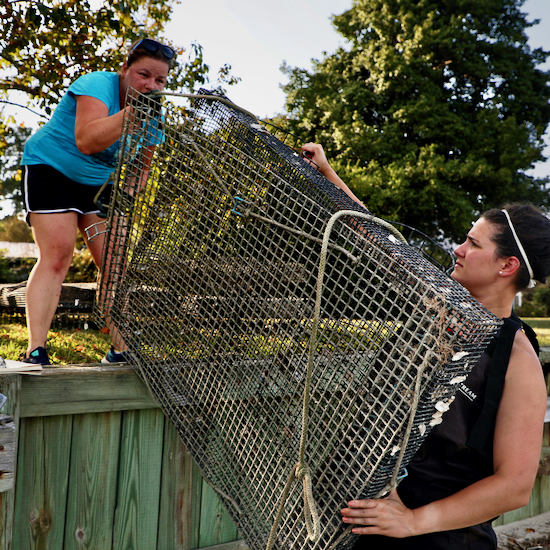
[482, 460]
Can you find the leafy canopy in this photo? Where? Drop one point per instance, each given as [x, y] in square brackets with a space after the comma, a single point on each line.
[433, 113]
[45, 45]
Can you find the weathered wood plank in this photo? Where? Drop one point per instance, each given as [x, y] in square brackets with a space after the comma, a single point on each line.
[544, 355]
[7, 444]
[216, 526]
[27, 531]
[44, 457]
[10, 386]
[7, 482]
[92, 481]
[76, 389]
[136, 518]
[545, 494]
[180, 495]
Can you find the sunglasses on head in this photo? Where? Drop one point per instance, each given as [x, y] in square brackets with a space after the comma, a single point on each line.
[152, 46]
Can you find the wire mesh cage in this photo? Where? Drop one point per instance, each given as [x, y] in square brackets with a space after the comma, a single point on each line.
[300, 346]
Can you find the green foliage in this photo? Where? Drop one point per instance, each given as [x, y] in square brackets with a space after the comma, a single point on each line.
[535, 302]
[12, 142]
[15, 230]
[5, 271]
[46, 45]
[19, 269]
[82, 269]
[434, 112]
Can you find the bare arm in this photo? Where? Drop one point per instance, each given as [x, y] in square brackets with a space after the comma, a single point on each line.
[94, 129]
[317, 155]
[516, 447]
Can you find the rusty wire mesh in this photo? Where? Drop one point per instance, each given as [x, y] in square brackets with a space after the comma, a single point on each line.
[212, 265]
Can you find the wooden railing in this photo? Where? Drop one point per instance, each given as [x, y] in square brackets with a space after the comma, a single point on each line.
[99, 467]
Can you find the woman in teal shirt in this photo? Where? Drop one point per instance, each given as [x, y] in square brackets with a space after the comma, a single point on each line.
[64, 164]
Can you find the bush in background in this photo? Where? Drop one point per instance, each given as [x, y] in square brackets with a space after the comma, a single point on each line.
[15, 230]
[535, 302]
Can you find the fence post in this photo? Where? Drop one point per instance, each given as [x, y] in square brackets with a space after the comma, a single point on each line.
[10, 387]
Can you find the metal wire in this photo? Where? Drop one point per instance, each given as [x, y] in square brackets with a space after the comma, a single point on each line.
[212, 264]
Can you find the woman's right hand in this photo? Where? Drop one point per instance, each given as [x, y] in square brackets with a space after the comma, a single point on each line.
[315, 153]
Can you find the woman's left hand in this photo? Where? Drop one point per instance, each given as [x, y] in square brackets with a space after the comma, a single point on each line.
[386, 516]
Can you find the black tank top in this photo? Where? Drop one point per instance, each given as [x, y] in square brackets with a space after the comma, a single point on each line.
[458, 452]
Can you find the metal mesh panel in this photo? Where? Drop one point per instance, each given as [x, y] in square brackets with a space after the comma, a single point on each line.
[212, 269]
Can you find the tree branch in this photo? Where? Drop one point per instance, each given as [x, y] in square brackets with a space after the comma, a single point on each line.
[24, 107]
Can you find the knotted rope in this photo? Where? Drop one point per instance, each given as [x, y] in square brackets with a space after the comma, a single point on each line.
[301, 469]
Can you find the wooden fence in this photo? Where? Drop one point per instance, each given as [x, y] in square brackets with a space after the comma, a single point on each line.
[99, 467]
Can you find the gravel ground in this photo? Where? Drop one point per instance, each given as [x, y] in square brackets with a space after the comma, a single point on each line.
[528, 534]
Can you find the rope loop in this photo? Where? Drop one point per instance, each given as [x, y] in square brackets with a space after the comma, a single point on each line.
[313, 523]
[301, 471]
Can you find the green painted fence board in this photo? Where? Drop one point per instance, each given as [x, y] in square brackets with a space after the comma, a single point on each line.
[41, 501]
[30, 487]
[93, 481]
[180, 495]
[216, 526]
[74, 389]
[544, 494]
[136, 517]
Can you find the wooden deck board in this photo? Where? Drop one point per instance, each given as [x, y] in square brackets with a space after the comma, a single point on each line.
[77, 389]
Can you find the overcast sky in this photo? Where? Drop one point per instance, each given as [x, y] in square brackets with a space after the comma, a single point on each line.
[256, 37]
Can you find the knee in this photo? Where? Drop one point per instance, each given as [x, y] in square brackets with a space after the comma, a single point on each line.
[56, 262]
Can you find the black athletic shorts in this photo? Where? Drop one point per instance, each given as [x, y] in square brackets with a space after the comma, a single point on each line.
[47, 191]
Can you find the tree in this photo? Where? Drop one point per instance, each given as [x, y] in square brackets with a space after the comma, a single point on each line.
[46, 45]
[15, 230]
[433, 113]
[12, 142]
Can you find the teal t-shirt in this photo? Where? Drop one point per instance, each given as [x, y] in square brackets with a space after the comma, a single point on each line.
[54, 143]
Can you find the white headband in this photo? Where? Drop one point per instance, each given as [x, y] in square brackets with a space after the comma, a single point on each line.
[532, 281]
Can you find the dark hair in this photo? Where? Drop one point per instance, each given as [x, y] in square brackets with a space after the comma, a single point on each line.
[532, 228]
[139, 50]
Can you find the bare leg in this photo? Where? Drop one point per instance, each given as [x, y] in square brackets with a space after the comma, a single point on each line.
[55, 236]
[95, 246]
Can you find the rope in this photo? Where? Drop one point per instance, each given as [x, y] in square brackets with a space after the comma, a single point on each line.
[301, 469]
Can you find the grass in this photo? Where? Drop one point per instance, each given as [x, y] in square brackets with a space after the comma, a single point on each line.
[541, 326]
[65, 346]
[76, 346]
